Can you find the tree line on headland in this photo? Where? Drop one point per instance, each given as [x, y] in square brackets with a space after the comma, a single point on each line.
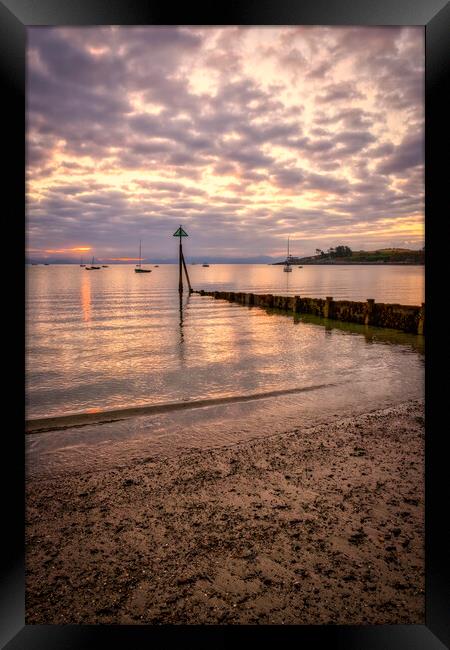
[345, 255]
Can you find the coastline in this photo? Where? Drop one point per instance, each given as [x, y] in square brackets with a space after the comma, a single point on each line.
[337, 262]
[318, 525]
[71, 420]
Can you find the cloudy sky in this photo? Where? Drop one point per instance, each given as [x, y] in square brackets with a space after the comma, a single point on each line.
[244, 135]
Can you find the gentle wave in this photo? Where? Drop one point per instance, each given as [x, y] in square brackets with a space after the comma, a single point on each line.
[80, 419]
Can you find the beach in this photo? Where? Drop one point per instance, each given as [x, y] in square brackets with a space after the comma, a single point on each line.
[225, 326]
[323, 524]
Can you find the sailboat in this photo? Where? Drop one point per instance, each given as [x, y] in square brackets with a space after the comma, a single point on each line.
[81, 260]
[92, 267]
[138, 268]
[287, 265]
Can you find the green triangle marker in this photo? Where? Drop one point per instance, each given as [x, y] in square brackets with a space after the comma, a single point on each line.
[180, 233]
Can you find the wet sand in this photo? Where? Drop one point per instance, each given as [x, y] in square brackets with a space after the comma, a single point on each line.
[318, 525]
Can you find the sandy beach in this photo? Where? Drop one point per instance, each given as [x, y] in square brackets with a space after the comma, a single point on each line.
[318, 525]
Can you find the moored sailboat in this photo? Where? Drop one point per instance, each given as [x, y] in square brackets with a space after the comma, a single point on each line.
[92, 267]
[138, 268]
[287, 265]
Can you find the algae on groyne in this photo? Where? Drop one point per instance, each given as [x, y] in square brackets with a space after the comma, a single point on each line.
[407, 318]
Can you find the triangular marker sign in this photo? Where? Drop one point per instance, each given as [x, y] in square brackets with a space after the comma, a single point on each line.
[180, 233]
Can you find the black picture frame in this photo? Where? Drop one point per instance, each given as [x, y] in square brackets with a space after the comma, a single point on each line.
[434, 15]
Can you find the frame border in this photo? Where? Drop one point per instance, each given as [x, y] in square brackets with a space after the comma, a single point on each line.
[434, 15]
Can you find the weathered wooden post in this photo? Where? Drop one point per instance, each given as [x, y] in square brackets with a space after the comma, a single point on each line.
[369, 311]
[249, 299]
[328, 307]
[181, 233]
[185, 270]
[421, 324]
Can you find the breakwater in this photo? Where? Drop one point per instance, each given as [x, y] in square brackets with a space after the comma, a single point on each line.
[407, 318]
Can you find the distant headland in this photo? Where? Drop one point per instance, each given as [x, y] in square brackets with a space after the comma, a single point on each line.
[344, 255]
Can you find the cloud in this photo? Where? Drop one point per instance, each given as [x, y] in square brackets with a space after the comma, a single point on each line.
[344, 90]
[289, 178]
[409, 153]
[314, 130]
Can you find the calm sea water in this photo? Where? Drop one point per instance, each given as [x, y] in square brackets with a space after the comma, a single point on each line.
[112, 338]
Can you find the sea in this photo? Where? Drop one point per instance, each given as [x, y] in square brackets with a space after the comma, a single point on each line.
[108, 339]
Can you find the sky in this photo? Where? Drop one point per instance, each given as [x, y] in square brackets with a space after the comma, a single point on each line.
[244, 135]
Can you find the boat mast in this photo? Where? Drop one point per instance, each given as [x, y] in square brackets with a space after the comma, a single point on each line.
[140, 253]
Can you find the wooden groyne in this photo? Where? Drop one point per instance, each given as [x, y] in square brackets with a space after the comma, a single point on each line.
[407, 318]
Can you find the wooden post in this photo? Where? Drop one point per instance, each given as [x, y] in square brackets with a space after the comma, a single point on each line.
[369, 311]
[181, 233]
[328, 307]
[185, 270]
[421, 324]
[249, 299]
[180, 269]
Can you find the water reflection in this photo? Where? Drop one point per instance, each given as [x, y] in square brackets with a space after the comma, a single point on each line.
[181, 316]
[287, 276]
[86, 297]
[181, 309]
[371, 334]
[112, 340]
[401, 284]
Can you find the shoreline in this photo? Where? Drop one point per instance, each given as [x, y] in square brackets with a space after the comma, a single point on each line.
[318, 525]
[347, 263]
[98, 416]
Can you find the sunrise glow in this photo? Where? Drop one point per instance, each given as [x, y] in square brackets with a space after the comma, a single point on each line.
[244, 134]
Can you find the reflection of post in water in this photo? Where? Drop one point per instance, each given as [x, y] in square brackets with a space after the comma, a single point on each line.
[180, 232]
[181, 309]
[181, 316]
[181, 325]
[371, 334]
